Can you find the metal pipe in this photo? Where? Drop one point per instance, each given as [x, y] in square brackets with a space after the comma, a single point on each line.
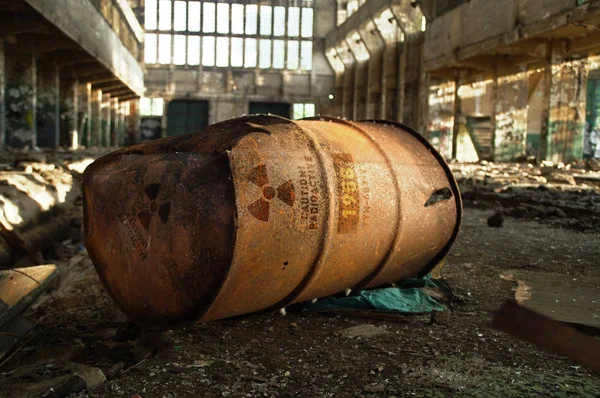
[260, 212]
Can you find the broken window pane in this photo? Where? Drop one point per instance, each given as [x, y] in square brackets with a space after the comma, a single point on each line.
[306, 55]
[293, 21]
[223, 53]
[264, 58]
[309, 110]
[150, 15]
[292, 55]
[307, 22]
[265, 20]
[279, 21]
[208, 20]
[180, 17]
[237, 51]
[298, 111]
[250, 53]
[164, 15]
[237, 19]
[179, 50]
[278, 54]
[193, 51]
[146, 106]
[150, 48]
[194, 16]
[251, 18]
[208, 51]
[223, 18]
[157, 106]
[164, 49]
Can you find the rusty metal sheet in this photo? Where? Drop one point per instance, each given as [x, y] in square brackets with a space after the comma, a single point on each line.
[552, 335]
[264, 212]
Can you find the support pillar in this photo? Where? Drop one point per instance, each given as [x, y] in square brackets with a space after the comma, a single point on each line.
[456, 111]
[383, 82]
[369, 64]
[19, 99]
[2, 95]
[84, 114]
[69, 113]
[96, 116]
[412, 77]
[114, 122]
[124, 106]
[106, 120]
[494, 113]
[545, 124]
[400, 76]
[355, 77]
[48, 105]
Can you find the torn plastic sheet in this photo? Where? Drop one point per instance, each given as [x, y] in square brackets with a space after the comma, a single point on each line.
[403, 297]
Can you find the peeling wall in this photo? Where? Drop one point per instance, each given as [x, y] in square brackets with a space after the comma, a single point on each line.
[567, 111]
[511, 118]
[20, 95]
[47, 121]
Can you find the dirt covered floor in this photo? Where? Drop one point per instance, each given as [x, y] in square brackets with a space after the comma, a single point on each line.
[84, 346]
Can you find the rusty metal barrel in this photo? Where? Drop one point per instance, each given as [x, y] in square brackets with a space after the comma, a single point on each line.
[259, 212]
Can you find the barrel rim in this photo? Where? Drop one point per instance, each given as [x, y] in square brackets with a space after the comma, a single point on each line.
[453, 186]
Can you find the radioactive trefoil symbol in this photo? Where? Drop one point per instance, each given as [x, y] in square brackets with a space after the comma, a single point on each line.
[285, 192]
[162, 209]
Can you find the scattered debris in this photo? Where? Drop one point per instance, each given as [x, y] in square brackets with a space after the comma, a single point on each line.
[363, 331]
[496, 220]
[57, 380]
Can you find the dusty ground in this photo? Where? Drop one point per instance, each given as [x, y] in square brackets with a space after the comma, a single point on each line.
[304, 355]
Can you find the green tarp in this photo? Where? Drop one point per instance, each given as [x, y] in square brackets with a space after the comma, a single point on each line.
[405, 298]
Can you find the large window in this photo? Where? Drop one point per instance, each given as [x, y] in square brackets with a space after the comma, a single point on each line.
[224, 34]
[151, 106]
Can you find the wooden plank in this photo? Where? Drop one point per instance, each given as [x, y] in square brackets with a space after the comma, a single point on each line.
[19, 288]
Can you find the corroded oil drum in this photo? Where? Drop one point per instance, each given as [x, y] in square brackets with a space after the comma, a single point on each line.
[260, 212]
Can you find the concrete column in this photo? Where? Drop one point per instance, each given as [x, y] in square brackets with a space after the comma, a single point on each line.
[2, 94]
[412, 76]
[48, 104]
[105, 123]
[20, 98]
[84, 112]
[400, 75]
[69, 115]
[122, 127]
[96, 116]
[367, 91]
[355, 94]
[114, 122]
[34, 97]
[383, 82]
[456, 111]
[545, 124]
[133, 122]
[494, 112]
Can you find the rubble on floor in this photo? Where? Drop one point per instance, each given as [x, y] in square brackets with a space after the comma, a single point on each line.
[563, 195]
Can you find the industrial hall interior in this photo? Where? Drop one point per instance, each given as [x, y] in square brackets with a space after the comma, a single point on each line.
[299, 198]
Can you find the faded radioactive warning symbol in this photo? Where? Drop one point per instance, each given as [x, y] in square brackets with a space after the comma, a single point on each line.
[162, 209]
[285, 192]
